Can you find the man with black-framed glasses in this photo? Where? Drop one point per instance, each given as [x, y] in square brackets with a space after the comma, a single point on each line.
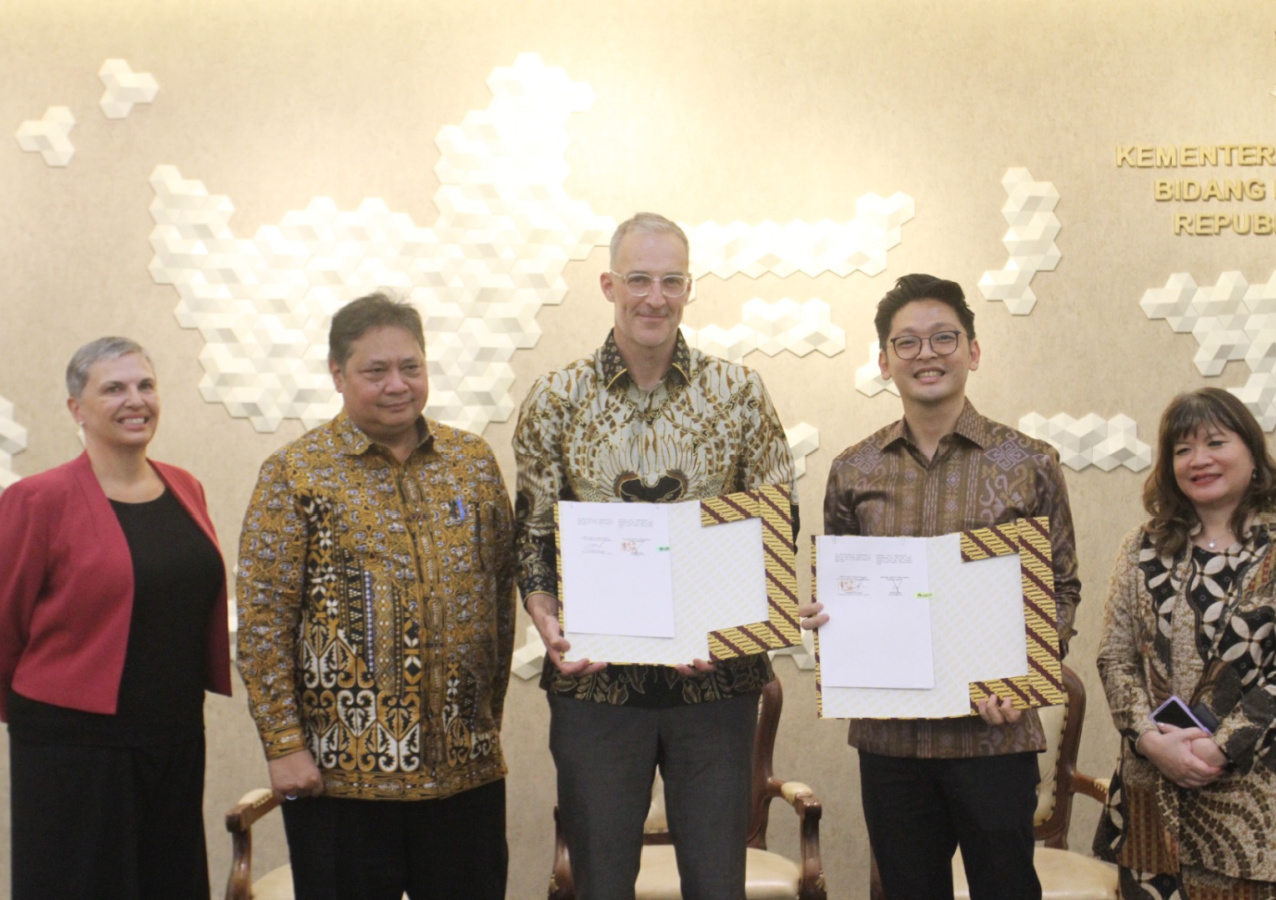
[931, 785]
[645, 419]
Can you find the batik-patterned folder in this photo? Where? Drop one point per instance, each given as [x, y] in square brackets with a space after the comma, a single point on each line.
[734, 579]
[1022, 665]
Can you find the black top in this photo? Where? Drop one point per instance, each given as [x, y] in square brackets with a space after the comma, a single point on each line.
[177, 574]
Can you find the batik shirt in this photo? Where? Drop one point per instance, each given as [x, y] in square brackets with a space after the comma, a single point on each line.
[376, 610]
[982, 474]
[587, 432]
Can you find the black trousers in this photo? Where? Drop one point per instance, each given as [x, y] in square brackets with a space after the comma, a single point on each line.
[107, 823]
[344, 849]
[606, 757]
[919, 810]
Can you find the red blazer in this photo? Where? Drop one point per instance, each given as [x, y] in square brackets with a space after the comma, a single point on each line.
[66, 589]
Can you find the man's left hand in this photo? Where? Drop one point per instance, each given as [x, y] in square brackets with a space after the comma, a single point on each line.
[998, 711]
[697, 667]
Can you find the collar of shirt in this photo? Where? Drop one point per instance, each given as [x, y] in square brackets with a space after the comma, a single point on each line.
[970, 425]
[353, 442]
[611, 366]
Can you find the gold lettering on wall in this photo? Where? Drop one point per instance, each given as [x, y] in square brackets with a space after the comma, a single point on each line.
[1170, 156]
[1225, 189]
[1200, 224]
[1238, 188]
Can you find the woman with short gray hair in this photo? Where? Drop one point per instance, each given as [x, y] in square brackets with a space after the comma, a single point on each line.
[112, 626]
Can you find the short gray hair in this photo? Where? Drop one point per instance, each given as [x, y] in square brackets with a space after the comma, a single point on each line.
[77, 370]
[647, 223]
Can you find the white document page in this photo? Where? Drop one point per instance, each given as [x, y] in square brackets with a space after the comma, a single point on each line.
[719, 581]
[977, 624]
[876, 593]
[983, 613]
[617, 573]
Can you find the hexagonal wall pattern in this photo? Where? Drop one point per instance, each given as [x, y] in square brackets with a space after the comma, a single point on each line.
[1091, 440]
[1033, 227]
[13, 440]
[505, 232]
[868, 377]
[480, 274]
[49, 136]
[529, 658]
[1231, 320]
[731, 344]
[804, 439]
[811, 248]
[124, 88]
[772, 327]
[803, 654]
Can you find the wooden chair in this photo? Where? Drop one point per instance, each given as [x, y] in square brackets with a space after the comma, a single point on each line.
[240, 818]
[277, 885]
[1064, 874]
[769, 876]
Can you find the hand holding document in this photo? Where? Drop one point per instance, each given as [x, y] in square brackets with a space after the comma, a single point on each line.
[924, 627]
[669, 583]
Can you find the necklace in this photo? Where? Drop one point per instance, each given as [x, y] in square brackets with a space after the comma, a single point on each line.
[1214, 543]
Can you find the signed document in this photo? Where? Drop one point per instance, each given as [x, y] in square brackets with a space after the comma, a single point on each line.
[912, 624]
[650, 583]
[876, 591]
[616, 558]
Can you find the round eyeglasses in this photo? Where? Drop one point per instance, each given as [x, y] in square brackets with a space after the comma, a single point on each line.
[942, 343]
[639, 284]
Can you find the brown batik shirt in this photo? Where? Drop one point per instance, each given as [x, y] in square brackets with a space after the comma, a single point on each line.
[587, 432]
[376, 610]
[982, 474]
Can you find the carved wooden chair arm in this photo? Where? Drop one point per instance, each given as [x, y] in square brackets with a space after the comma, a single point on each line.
[239, 822]
[1090, 786]
[808, 809]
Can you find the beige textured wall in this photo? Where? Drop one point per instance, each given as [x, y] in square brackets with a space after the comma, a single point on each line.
[711, 110]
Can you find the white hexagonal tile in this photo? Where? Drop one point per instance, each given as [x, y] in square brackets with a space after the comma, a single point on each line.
[124, 88]
[13, 440]
[50, 136]
[1090, 440]
[1030, 241]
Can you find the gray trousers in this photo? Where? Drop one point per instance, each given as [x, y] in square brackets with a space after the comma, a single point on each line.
[606, 758]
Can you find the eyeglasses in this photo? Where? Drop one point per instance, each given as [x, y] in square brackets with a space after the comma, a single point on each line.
[942, 343]
[639, 284]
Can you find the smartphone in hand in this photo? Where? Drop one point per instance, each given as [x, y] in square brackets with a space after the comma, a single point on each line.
[1177, 713]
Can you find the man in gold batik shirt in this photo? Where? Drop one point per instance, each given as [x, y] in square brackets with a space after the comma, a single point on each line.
[375, 590]
[930, 785]
[646, 419]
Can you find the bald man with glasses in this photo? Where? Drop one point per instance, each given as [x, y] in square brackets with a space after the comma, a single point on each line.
[645, 419]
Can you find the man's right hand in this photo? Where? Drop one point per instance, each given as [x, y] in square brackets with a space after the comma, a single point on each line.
[295, 775]
[543, 608]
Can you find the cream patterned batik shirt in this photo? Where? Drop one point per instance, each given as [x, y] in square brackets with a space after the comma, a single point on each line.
[587, 432]
[376, 610]
[982, 474]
